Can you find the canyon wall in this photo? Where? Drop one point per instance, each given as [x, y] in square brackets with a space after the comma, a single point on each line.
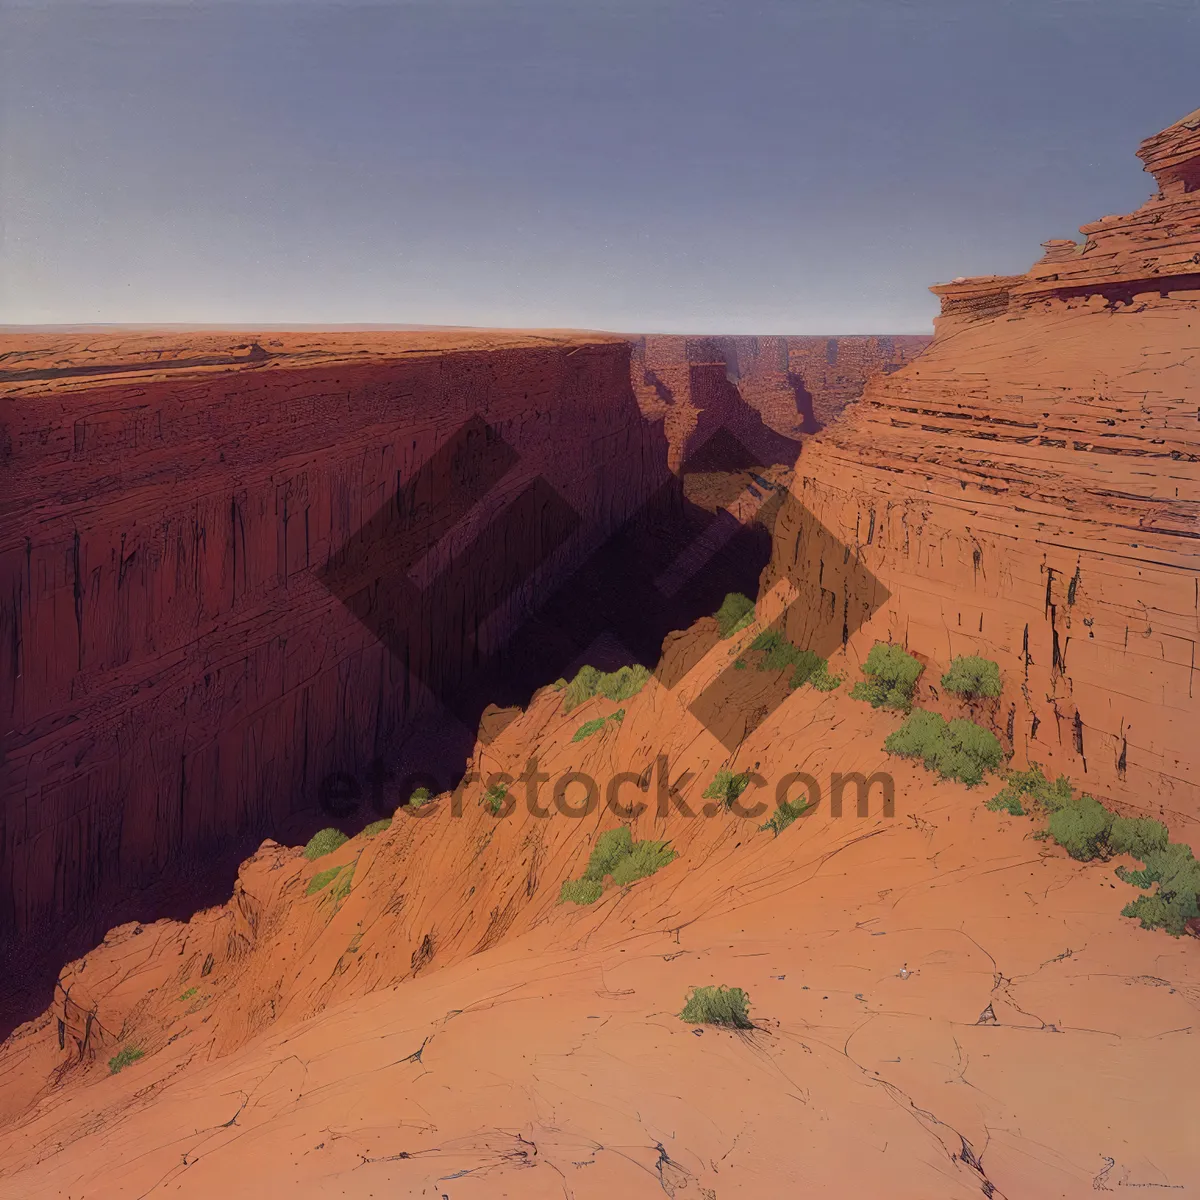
[1029, 489]
[797, 385]
[232, 566]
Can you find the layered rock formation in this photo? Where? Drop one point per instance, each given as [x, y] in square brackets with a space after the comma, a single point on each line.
[233, 566]
[797, 385]
[1029, 489]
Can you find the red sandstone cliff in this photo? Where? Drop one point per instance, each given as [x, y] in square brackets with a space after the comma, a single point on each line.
[1029, 489]
[797, 385]
[177, 668]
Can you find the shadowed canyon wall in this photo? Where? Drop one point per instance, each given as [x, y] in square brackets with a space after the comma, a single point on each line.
[197, 624]
[797, 385]
[1029, 489]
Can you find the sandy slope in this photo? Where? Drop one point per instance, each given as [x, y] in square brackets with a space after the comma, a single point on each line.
[552, 1062]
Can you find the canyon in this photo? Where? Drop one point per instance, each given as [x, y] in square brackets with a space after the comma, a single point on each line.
[944, 1003]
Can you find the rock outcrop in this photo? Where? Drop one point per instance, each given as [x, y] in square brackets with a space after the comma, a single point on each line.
[1029, 489]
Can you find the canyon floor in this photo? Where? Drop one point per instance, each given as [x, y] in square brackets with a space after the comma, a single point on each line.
[943, 1004]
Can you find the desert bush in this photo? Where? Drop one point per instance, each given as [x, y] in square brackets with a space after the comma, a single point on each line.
[341, 889]
[784, 815]
[494, 797]
[624, 683]
[123, 1057]
[972, 676]
[320, 880]
[420, 796]
[718, 1006]
[588, 728]
[642, 861]
[1138, 836]
[611, 846]
[580, 891]
[377, 827]
[735, 613]
[822, 680]
[1177, 899]
[581, 688]
[891, 676]
[727, 786]
[324, 841]
[189, 993]
[1035, 787]
[957, 749]
[1081, 828]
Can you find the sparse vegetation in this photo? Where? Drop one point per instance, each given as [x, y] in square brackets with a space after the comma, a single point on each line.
[784, 815]
[1034, 785]
[589, 727]
[324, 841]
[580, 891]
[957, 749]
[189, 993]
[1087, 830]
[1081, 828]
[622, 684]
[494, 797]
[727, 786]
[892, 674]
[321, 879]
[376, 827]
[420, 796]
[718, 1006]
[973, 677]
[735, 613]
[823, 681]
[123, 1057]
[617, 856]
[642, 861]
[776, 653]
[341, 889]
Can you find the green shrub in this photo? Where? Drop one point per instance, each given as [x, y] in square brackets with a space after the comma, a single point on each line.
[189, 993]
[957, 749]
[341, 889]
[494, 798]
[1173, 868]
[623, 684]
[735, 613]
[581, 688]
[420, 796]
[822, 680]
[325, 841]
[718, 1006]
[123, 1057]
[972, 676]
[377, 827]
[321, 879]
[891, 676]
[580, 891]
[1081, 828]
[1031, 784]
[1138, 836]
[777, 652]
[642, 861]
[784, 815]
[588, 728]
[611, 846]
[1156, 912]
[727, 786]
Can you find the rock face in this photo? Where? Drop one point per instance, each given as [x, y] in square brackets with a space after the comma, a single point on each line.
[195, 628]
[797, 385]
[1029, 489]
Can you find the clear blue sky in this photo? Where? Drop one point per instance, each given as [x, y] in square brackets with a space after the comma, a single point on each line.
[756, 166]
